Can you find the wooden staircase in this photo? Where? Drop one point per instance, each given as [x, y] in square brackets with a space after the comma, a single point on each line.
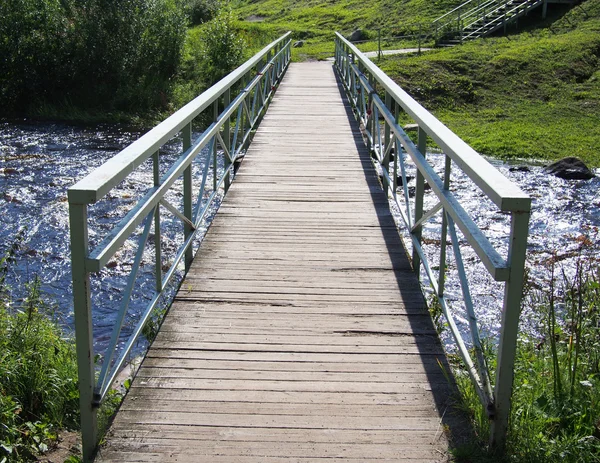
[479, 18]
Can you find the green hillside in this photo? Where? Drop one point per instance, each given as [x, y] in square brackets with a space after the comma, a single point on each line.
[315, 21]
[534, 94]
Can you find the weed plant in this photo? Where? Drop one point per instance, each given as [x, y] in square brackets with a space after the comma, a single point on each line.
[555, 413]
[38, 376]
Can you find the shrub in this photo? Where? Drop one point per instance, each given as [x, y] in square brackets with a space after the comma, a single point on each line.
[38, 379]
[201, 11]
[223, 48]
[110, 53]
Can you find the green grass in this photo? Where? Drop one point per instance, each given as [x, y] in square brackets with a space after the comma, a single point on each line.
[38, 379]
[316, 21]
[532, 95]
[556, 398]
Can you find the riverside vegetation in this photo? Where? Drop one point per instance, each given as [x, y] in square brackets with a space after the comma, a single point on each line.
[119, 60]
[38, 374]
[556, 396]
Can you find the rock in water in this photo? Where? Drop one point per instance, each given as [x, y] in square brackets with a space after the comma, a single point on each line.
[356, 35]
[570, 168]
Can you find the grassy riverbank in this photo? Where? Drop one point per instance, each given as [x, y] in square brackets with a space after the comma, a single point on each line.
[315, 22]
[556, 397]
[529, 95]
[38, 379]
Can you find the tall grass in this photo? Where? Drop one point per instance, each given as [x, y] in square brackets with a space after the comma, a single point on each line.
[38, 376]
[555, 415]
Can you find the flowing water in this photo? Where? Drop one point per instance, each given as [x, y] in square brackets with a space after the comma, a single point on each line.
[38, 162]
[562, 212]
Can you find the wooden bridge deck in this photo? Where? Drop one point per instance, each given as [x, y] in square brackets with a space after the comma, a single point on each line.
[300, 333]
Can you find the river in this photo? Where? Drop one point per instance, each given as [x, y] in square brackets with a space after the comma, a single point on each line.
[38, 162]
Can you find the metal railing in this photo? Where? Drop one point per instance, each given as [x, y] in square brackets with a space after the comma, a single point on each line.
[234, 119]
[363, 81]
[475, 18]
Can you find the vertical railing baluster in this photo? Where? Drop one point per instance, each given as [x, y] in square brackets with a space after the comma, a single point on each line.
[214, 145]
[374, 123]
[157, 233]
[397, 146]
[419, 195]
[84, 334]
[511, 310]
[386, 140]
[444, 231]
[187, 195]
[227, 139]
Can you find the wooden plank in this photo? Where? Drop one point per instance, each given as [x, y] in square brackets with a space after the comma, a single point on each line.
[300, 333]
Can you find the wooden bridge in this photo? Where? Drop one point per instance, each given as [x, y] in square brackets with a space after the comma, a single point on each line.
[300, 332]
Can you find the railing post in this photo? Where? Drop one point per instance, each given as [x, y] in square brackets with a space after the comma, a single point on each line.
[386, 142]
[444, 231]
[545, 9]
[419, 194]
[187, 195]
[507, 345]
[227, 136]
[157, 237]
[371, 107]
[83, 328]
[214, 144]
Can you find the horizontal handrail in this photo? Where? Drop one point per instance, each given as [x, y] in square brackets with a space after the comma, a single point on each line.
[234, 120]
[378, 114]
[505, 194]
[459, 7]
[94, 186]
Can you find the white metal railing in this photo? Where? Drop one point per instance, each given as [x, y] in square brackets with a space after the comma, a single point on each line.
[475, 18]
[234, 119]
[363, 82]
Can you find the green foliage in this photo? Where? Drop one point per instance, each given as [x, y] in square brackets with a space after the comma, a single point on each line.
[38, 379]
[222, 47]
[112, 54]
[535, 94]
[200, 11]
[556, 397]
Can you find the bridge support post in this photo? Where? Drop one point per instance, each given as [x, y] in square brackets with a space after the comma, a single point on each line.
[510, 324]
[386, 142]
[83, 328]
[157, 237]
[374, 123]
[187, 195]
[545, 9]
